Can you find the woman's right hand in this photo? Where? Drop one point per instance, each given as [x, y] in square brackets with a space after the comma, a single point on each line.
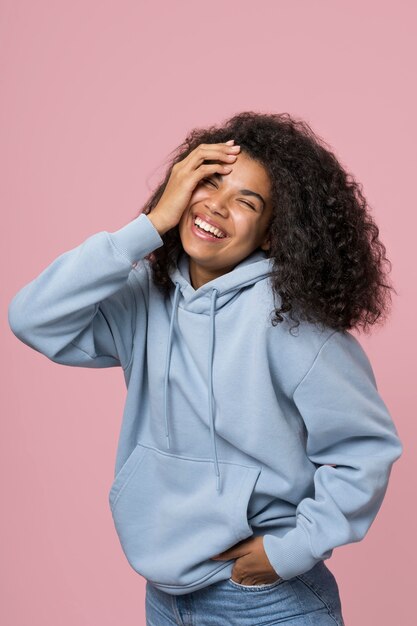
[185, 176]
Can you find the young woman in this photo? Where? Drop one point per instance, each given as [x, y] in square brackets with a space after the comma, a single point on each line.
[254, 440]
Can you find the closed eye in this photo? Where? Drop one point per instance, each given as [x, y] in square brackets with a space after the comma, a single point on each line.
[207, 180]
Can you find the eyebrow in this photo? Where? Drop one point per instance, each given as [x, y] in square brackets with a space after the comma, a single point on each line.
[245, 192]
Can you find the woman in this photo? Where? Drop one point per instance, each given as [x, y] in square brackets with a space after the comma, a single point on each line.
[251, 444]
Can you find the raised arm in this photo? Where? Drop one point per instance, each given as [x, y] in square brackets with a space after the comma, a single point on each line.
[80, 310]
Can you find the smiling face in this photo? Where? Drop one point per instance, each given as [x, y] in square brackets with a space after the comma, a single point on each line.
[239, 204]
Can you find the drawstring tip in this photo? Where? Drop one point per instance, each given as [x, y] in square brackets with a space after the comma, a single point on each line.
[167, 439]
[218, 482]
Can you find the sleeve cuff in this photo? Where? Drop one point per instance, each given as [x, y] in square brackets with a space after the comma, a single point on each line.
[137, 238]
[291, 554]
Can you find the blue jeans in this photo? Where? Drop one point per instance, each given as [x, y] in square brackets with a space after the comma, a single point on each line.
[310, 599]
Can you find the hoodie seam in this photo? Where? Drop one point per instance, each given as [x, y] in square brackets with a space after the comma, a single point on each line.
[134, 324]
[111, 356]
[193, 584]
[73, 341]
[135, 279]
[94, 356]
[117, 249]
[83, 351]
[237, 521]
[193, 458]
[301, 523]
[314, 361]
[208, 296]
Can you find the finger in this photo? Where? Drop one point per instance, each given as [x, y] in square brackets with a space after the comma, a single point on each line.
[212, 152]
[204, 149]
[207, 170]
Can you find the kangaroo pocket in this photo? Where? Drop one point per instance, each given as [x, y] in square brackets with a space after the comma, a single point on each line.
[170, 519]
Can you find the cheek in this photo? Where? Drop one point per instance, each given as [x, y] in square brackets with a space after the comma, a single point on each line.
[197, 196]
[199, 193]
[245, 227]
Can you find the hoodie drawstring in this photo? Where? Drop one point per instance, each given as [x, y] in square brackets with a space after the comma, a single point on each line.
[168, 360]
[210, 376]
[210, 380]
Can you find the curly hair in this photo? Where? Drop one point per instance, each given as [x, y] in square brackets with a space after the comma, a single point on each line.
[328, 264]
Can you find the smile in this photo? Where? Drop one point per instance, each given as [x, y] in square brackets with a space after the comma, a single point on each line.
[200, 232]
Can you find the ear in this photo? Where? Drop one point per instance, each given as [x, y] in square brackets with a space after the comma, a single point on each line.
[266, 244]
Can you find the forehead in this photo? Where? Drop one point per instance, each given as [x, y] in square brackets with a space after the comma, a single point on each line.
[249, 173]
[246, 173]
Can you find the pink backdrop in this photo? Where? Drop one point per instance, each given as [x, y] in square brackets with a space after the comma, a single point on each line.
[94, 96]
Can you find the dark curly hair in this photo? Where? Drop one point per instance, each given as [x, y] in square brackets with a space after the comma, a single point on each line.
[328, 264]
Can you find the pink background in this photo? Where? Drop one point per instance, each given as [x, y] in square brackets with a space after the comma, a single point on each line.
[94, 97]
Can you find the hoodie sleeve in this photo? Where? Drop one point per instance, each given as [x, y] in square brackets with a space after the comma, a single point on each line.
[354, 443]
[80, 310]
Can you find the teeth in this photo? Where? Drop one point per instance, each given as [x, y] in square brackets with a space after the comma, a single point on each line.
[208, 228]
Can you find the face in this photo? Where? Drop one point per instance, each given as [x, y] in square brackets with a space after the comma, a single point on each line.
[224, 201]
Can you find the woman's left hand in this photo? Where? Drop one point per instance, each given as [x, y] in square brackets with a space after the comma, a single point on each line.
[252, 566]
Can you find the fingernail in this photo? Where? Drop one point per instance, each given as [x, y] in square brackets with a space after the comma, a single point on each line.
[230, 141]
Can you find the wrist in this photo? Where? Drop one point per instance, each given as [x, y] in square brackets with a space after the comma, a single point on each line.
[159, 224]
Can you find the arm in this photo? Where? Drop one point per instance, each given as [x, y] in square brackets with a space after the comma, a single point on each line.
[348, 426]
[81, 309]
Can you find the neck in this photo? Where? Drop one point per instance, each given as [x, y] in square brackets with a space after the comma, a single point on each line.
[199, 275]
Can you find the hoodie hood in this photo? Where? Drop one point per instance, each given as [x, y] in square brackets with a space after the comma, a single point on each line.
[207, 300]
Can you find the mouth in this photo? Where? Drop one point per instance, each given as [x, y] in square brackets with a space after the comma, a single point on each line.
[206, 230]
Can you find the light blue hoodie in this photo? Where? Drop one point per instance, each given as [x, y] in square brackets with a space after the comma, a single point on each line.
[232, 427]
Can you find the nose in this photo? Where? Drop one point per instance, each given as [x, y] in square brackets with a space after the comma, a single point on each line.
[217, 204]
